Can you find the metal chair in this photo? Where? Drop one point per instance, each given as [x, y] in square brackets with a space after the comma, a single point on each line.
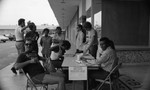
[114, 73]
[32, 85]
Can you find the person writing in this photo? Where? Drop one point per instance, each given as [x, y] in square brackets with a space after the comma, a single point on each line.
[105, 60]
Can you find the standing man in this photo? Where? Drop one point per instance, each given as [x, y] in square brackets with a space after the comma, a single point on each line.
[19, 34]
[92, 43]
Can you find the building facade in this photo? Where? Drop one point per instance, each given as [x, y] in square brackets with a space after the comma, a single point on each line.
[126, 22]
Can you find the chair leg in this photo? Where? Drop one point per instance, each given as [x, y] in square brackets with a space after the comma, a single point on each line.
[45, 87]
[110, 83]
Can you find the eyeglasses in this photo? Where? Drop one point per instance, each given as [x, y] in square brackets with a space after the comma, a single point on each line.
[28, 44]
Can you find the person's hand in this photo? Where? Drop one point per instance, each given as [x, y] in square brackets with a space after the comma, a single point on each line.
[28, 23]
[86, 63]
[84, 52]
[34, 60]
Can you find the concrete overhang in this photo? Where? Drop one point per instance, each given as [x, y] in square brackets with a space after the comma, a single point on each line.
[64, 10]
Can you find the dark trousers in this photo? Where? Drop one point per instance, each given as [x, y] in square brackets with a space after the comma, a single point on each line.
[93, 50]
[57, 63]
[96, 74]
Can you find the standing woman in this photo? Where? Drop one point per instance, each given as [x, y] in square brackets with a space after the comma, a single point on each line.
[79, 39]
[33, 35]
[58, 37]
[93, 40]
[46, 42]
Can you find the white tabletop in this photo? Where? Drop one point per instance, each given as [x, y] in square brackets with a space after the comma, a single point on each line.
[71, 62]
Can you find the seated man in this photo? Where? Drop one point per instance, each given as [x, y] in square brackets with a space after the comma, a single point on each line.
[105, 61]
[57, 53]
[29, 62]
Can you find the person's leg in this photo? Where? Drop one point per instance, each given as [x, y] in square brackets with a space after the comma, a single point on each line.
[17, 44]
[98, 74]
[51, 79]
[57, 63]
[20, 48]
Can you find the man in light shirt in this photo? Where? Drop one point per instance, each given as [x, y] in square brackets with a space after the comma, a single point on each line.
[105, 60]
[19, 34]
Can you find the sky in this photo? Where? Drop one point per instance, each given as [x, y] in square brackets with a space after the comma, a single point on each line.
[37, 11]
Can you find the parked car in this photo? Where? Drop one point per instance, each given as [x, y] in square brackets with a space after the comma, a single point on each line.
[10, 36]
[3, 38]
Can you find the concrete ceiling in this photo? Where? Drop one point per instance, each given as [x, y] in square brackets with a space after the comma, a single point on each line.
[64, 10]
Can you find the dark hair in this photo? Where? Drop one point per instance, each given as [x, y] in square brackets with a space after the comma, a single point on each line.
[87, 25]
[20, 21]
[59, 28]
[80, 26]
[66, 44]
[45, 29]
[108, 42]
[31, 25]
[29, 39]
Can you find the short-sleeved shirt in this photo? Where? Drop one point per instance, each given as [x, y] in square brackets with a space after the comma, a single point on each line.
[57, 52]
[19, 34]
[32, 69]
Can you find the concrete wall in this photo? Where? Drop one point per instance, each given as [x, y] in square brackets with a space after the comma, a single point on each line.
[126, 22]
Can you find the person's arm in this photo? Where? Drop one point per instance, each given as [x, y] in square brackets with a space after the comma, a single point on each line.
[81, 40]
[24, 28]
[90, 43]
[41, 41]
[37, 35]
[42, 58]
[102, 59]
[55, 48]
[20, 64]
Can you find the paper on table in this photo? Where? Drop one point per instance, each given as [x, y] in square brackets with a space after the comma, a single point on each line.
[88, 57]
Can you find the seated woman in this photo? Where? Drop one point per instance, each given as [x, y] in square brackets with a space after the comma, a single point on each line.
[105, 60]
[57, 53]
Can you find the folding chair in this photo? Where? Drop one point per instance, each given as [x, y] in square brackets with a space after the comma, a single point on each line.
[108, 80]
[32, 85]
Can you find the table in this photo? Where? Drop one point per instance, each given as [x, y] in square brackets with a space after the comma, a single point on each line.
[71, 62]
